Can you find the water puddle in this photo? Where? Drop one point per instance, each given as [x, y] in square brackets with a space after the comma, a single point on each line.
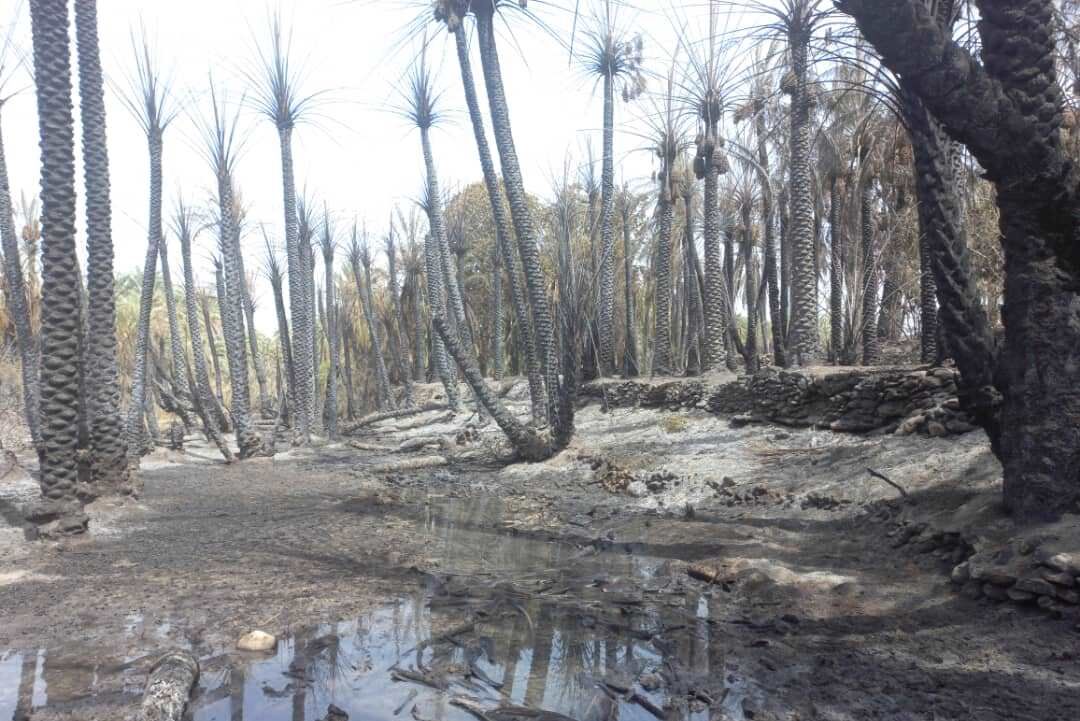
[510, 626]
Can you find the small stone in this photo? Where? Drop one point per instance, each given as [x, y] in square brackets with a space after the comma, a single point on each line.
[1064, 562]
[926, 545]
[1037, 586]
[961, 573]
[998, 576]
[994, 593]
[1020, 596]
[1027, 547]
[936, 430]
[727, 482]
[256, 641]
[1059, 578]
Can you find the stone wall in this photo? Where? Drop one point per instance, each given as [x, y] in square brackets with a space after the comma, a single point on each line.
[902, 400]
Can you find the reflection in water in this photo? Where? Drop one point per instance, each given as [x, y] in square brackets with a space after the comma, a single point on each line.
[597, 635]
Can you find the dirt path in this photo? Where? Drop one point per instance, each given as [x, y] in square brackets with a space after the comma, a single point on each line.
[572, 575]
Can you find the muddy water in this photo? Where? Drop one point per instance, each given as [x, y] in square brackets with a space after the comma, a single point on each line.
[508, 623]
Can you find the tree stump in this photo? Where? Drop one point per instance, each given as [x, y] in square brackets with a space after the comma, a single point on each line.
[168, 687]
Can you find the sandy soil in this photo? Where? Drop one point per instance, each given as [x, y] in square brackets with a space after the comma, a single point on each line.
[812, 608]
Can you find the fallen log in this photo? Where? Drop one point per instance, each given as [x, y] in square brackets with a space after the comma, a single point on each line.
[168, 687]
[396, 413]
[415, 444]
[420, 422]
[411, 464]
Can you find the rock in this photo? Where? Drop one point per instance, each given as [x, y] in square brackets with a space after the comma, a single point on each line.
[957, 426]
[1020, 596]
[1063, 562]
[961, 573]
[741, 419]
[998, 576]
[1027, 546]
[936, 430]
[637, 489]
[651, 681]
[1051, 606]
[45, 510]
[333, 713]
[1059, 578]
[256, 641]
[994, 593]
[1037, 586]
[727, 482]
[910, 425]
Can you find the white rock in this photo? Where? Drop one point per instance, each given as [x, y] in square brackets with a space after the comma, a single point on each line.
[256, 641]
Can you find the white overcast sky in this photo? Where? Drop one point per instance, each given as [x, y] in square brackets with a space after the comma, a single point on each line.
[362, 159]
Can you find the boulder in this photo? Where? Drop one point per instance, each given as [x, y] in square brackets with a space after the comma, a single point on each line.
[256, 641]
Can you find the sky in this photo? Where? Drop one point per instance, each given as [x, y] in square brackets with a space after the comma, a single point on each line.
[359, 156]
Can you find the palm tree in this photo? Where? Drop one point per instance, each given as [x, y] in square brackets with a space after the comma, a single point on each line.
[278, 98]
[276, 278]
[206, 403]
[204, 302]
[398, 322]
[360, 257]
[150, 102]
[613, 58]
[14, 285]
[327, 243]
[520, 213]
[869, 279]
[60, 271]
[627, 207]
[503, 253]
[219, 131]
[436, 307]
[176, 346]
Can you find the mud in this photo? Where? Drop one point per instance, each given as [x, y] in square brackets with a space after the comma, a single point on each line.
[492, 588]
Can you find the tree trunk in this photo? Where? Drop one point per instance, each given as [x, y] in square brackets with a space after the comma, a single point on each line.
[750, 291]
[215, 357]
[330, 411]
[178, 364]
[59, 325]
[869, 274]
[661, 361]
[397, 327]
[630, 356]
[804, 323]
[836, 273]
[15, 296]
[607, 233]
[436, 309]
[716, 320]
[776, 324]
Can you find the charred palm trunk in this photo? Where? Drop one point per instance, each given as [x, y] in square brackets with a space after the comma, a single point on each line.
[750, 285]
[362, 278]
[776, 324]
[716, 307]
[693, 294]
[503, 253]
[232, 320]
[136, 431]
[60, 272]
[209, 409]
[630, 356]
[519, 208]
[15, 297]
[266, 407]
[418, 329]
[108, 456]
[436, 306]
[804, 276]
[732, 340]
[303, 320]
[330, 411]
[869, 275]
[607, 233]
[178, 359]
[836, 273]
[284, 343]
[347, 342]
[661, 361]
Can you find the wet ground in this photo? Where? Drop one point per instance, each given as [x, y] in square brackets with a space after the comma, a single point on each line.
[525, 591]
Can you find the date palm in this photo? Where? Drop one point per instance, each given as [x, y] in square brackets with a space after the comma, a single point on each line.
[277, 278]
[150, 102]
[178, 366]
[279, 98]
[14, 284]
[60, 271]
[221, 145]
[210, 411]
[327, 243]
[614, 58]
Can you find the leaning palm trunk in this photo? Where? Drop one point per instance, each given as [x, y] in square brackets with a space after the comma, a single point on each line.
[215, 357]
[179, 359]
[15, 296]
[518, 298]
[436, 304]
[60, 272]
[804, 277]
[210, 412]
[869, 276]
[519, 208]
[607, 234]
[232, 320]
[661, 361]
[136, 431]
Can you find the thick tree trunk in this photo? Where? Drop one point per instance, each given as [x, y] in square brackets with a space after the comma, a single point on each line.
[716, 320]
[436, 305]
[869, 275]
[661, 360]
[776, 325]
[750, 286]
[607, 233]
[168, 687]
[804, 322]
[178, 359]
[836, 273]
[630, 355]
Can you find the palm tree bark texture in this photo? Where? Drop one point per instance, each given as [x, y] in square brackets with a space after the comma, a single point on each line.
[1007, 109]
